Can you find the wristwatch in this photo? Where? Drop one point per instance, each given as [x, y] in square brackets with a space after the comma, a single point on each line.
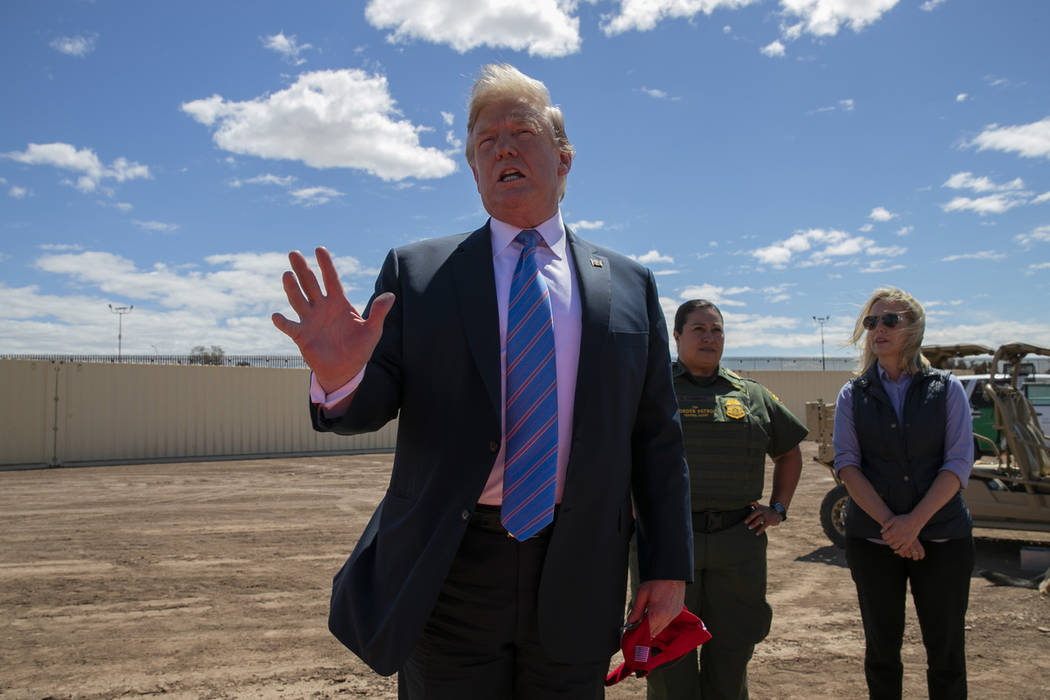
[780, 509]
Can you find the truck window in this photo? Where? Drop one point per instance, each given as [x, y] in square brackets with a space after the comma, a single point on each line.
[1038, 394]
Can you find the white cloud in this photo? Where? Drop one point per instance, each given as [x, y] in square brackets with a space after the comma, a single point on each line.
[866, 227]
[880, 266]
[773, 49]
[584, 224]
[1041, 199]
[78, 46]
[122, 206]
[845, 105]
[778, 292]
[1038, 235]
[653, 256]
[890, 251]
[155, 226]
[961, 97]
[326, 119]
[881, 214]
[84, 161]
[980, 255]
[448, 117]
[754, 330]
[231, 284]
[541, 27]
[1026, 140]
[17, 192]
[654, 93]
[990, 204]
[826, 247]
[644, 15]
[287, 47]
[59, 246]
[930, 5]
[905, 230]
[967, 181]
[714, 293]
[313, 196]
[40, 322]
[826, 17]
[1039, 266]
[266, 179]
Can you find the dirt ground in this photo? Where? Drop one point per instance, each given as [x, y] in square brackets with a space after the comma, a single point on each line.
[211, 580]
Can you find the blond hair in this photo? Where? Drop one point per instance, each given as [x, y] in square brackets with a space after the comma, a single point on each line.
[914, 328]
[503, 81]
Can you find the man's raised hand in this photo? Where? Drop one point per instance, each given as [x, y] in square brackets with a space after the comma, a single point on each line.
[334, 339]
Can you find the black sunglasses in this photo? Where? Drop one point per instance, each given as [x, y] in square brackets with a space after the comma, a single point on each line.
[888, 320]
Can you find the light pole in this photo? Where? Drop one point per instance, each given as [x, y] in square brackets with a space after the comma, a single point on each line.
[120, 311]
[821, 320]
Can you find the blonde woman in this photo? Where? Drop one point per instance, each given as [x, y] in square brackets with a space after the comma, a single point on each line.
[904, 449]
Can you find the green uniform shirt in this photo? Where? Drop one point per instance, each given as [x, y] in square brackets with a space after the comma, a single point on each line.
[730, 424]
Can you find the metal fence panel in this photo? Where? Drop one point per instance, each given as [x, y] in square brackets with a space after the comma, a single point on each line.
[107, 413]
[27, 412]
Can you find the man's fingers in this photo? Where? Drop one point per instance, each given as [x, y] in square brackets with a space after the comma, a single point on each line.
[298, 302]
[332, 286]
[289, 328]
[380, 308]
[306, 276]
[637, 609]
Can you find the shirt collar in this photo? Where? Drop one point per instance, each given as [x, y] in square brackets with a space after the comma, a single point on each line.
[552, 231]
[679, 370]
[904, 376]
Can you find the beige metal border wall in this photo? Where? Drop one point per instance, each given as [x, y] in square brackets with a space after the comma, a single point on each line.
[66, 413]
[57, 413]
[794, 389]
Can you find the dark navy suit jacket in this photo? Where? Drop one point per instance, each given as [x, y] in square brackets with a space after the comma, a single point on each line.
[437, 368]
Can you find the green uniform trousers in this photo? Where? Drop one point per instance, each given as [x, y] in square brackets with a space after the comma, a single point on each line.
[729, 594]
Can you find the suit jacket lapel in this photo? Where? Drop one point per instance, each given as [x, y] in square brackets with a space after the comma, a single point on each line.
[595, 286]
[476, 295]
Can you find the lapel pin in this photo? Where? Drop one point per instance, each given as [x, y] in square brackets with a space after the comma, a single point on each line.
[596, 262]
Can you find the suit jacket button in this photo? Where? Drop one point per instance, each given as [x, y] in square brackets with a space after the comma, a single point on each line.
[493, 446]
[465, 514]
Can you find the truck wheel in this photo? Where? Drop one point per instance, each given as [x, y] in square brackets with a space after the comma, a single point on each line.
[833, 515]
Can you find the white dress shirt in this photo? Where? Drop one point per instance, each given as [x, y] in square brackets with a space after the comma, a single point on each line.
[556, 265]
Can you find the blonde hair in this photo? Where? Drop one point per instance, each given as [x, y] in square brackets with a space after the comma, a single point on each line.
[505, 82]
[913, 329]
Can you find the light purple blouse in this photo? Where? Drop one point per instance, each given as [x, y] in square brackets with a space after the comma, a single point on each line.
[958, 433]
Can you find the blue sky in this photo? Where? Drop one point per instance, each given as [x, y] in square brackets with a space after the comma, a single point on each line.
[780, 157]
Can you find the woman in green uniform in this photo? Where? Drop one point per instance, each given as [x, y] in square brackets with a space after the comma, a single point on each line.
[730, 425]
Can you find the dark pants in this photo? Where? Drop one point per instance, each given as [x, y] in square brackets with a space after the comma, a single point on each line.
[940, 588]
[482, 640]
[728, 593]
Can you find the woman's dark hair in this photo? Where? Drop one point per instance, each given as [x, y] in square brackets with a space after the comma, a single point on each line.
[689, 307]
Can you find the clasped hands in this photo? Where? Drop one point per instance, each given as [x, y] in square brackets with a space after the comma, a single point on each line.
[334, 339]
[901, 533]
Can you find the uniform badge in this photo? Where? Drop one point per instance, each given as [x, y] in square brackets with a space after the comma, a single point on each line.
[735, 409]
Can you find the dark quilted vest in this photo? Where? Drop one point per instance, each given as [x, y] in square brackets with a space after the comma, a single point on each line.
[901, 458]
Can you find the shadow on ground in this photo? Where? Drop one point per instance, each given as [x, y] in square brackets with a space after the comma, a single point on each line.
[992, 554]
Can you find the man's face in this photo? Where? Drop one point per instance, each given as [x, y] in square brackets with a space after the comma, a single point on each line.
[517, 166]
[701, 341]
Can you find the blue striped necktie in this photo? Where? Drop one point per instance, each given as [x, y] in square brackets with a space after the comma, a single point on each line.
[531, 464]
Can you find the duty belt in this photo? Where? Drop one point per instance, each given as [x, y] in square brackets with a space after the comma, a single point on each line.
[709, 521]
